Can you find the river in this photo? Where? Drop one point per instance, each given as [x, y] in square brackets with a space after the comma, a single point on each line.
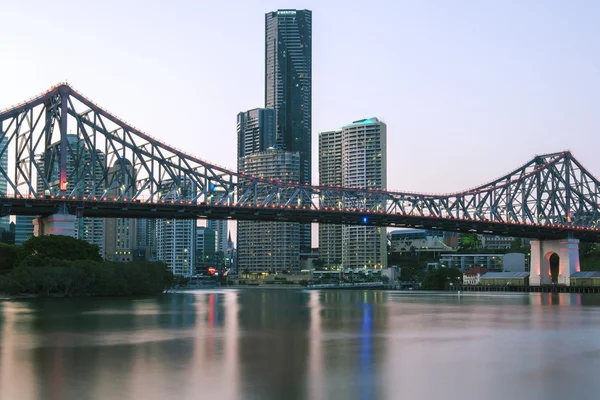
[300, 344]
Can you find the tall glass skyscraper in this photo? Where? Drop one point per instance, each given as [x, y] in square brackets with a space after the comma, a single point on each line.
[288, 86]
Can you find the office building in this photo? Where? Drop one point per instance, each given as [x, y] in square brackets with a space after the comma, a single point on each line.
[361, 146]
[288, 87]
[330, 174]
[205, 249]
[120, 235]
[23, 228]
[269, 246]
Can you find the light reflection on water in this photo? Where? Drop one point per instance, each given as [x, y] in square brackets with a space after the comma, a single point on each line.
[289, 344]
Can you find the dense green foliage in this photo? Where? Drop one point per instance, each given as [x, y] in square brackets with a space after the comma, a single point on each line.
[441, 278]
[63, 266]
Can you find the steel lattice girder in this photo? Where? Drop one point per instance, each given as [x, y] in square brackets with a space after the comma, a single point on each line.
[62, 146]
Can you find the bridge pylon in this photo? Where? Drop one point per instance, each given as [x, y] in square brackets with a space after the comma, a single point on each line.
[60, 223]
[541, 251]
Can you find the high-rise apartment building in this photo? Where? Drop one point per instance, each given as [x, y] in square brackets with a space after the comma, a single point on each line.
[354, 156]
[4, 221]
[330, 173]
[255, 131]
[269, 246]
[288, 87]
[176, 238]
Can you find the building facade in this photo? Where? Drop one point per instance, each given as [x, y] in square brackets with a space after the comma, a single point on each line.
[269, 247]
[176, 238]
[288, 88]
[255, 132]
[358, 150]
[330, 174]
[23, 228]
[4, 221]
[205, 249]
[120, 233]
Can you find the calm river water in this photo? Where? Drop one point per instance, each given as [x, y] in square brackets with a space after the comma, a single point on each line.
[288, 344]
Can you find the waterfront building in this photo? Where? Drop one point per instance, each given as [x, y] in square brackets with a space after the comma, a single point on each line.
[360, 149]
[4, 221]
[330, 174]
[288, 87]
[269, 247]
[473, 275]
[176, 238]
[495, 242]
[120, 233]
[412, 241]
[492, 262]
[205, 249]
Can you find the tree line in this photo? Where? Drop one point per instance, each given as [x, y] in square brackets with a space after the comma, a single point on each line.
[65, 266]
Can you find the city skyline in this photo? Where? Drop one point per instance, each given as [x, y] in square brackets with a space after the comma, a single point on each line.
[473, 92]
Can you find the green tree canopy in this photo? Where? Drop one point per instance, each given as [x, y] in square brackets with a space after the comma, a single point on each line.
[61, 248]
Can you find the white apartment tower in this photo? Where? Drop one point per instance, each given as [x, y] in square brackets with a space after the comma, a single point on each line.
[269, 246]
[354, 156]
[330, 173]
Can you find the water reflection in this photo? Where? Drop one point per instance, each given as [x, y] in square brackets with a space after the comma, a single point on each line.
[293, 344]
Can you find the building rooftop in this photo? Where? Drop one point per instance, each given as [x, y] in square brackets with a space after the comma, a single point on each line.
[476, 270]
[494, 275]
[586, 274]
[365, 121]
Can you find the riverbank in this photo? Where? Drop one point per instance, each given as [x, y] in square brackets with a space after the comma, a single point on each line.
[529, 289]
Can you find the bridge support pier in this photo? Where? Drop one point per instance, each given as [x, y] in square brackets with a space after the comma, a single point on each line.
[56, 224]
[541, 251]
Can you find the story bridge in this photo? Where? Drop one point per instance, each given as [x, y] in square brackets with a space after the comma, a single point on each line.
[65, 156]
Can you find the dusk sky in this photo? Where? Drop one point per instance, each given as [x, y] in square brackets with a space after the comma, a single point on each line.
[469, 89]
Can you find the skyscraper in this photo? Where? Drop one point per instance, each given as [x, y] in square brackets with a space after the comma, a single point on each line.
[354, 156]
[255, 131]
[269, 246]
[288, 87]
[205, 249]
[176, 238]
[330, 173]
[120, 235]
[4, 221]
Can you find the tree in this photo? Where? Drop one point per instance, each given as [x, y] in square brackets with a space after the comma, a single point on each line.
[60, 248]
[440, 279]
[469, 242]
[9, 257]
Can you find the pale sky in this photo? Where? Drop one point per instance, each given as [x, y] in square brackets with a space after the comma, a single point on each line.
[469, 89]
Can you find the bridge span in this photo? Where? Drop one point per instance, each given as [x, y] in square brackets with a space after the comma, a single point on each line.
[68, 156]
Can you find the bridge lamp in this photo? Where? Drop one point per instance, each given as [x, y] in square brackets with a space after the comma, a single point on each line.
[364, 220]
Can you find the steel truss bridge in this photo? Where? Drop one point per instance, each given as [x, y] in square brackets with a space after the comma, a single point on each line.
[66, 154]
